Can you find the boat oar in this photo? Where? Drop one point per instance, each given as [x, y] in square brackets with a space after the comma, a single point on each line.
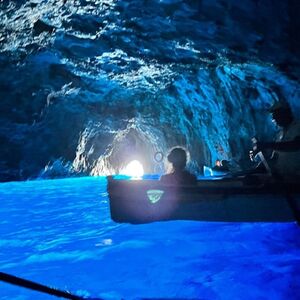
[39, 287]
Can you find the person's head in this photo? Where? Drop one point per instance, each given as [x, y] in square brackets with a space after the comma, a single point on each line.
[177, 157]
[218, 163]
[281, 113]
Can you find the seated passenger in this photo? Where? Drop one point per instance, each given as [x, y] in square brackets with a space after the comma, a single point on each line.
[179, 175]
[217, 165]
[221, 166]
[285, 159]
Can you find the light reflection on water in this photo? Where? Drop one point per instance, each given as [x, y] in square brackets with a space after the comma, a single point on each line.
[59, 233]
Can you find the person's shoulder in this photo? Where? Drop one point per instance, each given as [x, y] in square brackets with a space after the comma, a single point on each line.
[190, 176]
[165, 178]
[162, 177]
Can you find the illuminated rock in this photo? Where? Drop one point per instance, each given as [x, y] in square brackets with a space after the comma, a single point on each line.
[88, 82]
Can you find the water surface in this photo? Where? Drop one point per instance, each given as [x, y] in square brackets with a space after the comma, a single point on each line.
[59, 233]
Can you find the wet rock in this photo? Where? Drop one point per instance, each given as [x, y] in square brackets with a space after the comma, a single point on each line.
[41, 26]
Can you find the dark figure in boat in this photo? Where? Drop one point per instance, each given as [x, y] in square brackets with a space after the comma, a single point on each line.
[221, 166]
[284, 162]
[179, 175]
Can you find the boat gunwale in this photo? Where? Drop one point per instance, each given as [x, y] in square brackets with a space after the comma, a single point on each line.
[212, 187]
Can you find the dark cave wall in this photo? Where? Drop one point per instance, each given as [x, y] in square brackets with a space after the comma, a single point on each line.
[84, 87]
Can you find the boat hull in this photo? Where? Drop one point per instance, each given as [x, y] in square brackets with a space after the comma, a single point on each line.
[144, 201]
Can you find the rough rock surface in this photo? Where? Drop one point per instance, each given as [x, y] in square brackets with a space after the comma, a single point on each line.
[87, 86]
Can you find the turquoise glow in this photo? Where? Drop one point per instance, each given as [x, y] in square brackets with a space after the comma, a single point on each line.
[59, 233]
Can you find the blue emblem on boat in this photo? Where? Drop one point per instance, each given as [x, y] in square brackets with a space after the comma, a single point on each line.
[154, 195]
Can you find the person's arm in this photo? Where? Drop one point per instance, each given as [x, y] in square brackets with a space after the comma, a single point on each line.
[288, 146]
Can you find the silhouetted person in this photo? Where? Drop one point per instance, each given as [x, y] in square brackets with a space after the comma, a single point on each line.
[285, 160]
[179, 175]
[221, 165]
[217, 165]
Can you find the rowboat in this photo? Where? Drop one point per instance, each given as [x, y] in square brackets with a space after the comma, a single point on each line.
[220, 200]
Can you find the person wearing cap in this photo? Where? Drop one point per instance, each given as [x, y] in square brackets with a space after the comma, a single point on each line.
[179, 175]
[285, 160]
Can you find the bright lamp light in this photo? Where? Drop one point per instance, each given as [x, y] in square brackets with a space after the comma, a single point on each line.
[133, 169]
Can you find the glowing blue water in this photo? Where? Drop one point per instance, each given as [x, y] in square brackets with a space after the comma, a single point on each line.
[59, 233]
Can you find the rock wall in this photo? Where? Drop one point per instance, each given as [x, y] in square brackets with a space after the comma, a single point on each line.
[87, 86]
